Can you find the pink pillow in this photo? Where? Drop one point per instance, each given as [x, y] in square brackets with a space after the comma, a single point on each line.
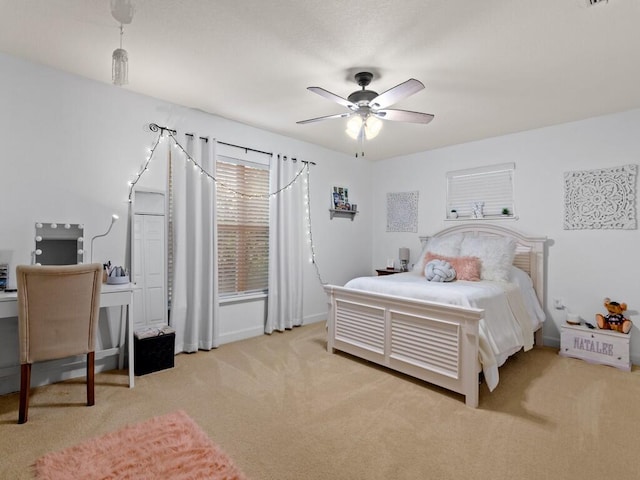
[467, 268]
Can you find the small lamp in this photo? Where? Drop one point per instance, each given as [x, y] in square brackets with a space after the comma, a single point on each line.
[404, 255]
[114, 219]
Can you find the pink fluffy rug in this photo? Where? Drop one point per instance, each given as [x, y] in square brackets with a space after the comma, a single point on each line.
[167, 447]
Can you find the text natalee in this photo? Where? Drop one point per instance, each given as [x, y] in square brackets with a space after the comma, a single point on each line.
[593, 346]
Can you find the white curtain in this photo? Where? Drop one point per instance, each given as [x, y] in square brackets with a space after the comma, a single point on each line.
[194, 303]
[286, 237]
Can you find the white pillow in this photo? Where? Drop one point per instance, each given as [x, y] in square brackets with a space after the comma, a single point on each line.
[447, 246]
[495, 253]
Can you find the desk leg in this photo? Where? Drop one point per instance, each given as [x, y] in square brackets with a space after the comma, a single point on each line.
[130, 341]
[123, 335]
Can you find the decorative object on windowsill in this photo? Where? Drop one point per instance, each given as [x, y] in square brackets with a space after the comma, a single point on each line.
[601, 199]
[506, 212]
[615, 319]
[122, 11]
[453, 213]
[404, 254]
[477, 210]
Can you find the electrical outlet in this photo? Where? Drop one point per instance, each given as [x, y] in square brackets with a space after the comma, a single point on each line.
[558, 303]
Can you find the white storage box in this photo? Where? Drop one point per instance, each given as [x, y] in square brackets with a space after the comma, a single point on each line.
[605, 347]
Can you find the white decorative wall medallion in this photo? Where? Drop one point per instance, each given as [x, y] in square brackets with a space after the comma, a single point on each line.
[402, 212]
[601, 199]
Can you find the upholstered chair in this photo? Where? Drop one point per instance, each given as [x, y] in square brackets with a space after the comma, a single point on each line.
[57, 313]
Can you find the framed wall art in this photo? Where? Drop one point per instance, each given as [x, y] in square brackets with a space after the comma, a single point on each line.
[601, 199]
[402, 212]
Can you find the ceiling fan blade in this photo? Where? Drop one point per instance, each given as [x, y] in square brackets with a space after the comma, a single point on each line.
[333, 97]
[338, 115]
[396, 94]
[404, 116]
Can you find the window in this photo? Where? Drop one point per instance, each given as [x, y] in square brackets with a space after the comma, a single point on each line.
[492, 186]
[243, 226]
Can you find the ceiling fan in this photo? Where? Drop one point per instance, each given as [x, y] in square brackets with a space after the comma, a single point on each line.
[368, 107]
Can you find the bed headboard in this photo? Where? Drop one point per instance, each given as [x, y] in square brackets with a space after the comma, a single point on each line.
[529, 250]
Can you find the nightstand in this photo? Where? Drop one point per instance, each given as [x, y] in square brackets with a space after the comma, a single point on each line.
[387, 271]
[596, 346]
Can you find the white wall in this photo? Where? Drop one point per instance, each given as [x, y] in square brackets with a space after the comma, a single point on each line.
[584, 266]
[70, 145]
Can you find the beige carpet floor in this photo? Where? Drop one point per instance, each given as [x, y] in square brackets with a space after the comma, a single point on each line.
[283, 408]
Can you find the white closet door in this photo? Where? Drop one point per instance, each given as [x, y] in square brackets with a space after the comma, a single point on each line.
[154, 269]
[149, 259]
[137, 272]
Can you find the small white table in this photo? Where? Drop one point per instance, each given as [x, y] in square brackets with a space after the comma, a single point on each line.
[110, 296]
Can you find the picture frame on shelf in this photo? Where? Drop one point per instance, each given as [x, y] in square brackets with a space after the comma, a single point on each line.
[340, 198]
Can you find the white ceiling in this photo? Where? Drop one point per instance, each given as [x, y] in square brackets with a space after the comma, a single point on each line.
[490, 67]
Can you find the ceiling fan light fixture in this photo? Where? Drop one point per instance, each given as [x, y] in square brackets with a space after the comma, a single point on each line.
[372, 127]
[368, 108]
[354, 125]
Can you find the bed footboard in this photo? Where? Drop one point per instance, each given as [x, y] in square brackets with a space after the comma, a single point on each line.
[434, 342]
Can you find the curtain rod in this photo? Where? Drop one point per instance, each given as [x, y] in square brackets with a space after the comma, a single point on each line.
[246, 149]
[154, 128]
[294, 159]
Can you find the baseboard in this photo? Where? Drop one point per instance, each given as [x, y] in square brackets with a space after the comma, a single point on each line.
[240, 335]
[257, 331]
[53, 371]
[318, 317]
[552, 342]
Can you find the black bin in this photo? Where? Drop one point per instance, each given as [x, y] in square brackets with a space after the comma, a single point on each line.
[154, 350]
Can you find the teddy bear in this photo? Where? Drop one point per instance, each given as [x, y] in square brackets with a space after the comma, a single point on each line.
[614, 320]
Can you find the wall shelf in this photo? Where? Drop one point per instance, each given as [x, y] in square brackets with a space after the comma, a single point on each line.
[342, 213]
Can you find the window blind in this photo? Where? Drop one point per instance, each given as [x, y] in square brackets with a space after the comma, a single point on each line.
[492, 185]
[243, 227]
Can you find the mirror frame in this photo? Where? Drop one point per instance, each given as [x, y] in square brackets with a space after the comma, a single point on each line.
[51, 231]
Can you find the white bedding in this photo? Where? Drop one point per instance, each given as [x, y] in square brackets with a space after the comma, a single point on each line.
[512, 311]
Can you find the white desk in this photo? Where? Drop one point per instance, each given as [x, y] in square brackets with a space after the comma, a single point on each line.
[110, 296]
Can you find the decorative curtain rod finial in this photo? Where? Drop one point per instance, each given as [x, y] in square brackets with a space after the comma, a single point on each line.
[154, 127]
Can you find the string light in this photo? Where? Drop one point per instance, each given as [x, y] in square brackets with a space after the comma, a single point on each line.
[305, 168]
[311, 244]
[145, 167]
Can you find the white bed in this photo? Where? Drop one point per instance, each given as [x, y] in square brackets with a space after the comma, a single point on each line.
[445, 333]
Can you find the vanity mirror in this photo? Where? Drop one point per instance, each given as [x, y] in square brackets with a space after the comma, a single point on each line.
[59, 244]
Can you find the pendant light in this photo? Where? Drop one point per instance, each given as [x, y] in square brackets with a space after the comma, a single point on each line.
[120, 64]
[122, 11]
